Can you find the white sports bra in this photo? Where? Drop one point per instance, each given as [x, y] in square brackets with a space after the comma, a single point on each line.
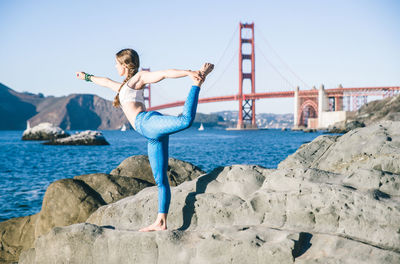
[128, 94]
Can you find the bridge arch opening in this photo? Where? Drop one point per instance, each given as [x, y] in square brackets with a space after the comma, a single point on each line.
[309, 109]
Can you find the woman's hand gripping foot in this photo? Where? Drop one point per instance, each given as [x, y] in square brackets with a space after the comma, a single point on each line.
[199, 77]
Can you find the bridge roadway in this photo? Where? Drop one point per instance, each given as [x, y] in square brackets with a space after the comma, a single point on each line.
[359, 91]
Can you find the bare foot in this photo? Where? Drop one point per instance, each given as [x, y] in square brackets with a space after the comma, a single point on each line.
[153, 227]
[205, 70]
[199, 76]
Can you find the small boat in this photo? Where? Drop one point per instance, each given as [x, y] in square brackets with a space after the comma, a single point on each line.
[123, 127]
[201, 128]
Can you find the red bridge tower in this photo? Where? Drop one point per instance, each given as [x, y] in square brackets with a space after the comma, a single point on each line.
[148, 88]
[247, 107]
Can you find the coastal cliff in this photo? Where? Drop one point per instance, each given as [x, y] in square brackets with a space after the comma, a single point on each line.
[370, 113]
[335, 200]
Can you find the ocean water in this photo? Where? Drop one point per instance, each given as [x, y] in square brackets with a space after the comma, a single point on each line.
[28, 167]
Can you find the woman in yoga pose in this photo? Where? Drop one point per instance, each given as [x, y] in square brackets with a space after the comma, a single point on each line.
[152, 125]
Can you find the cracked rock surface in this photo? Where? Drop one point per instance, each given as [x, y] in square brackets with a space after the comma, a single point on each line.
[336, 200]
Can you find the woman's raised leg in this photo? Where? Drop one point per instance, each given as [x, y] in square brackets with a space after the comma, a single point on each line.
[157, 125]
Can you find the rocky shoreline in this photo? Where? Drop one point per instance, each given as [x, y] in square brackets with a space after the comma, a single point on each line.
[335, 200]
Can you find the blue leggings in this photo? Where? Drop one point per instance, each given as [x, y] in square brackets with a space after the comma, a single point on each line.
[156, 128]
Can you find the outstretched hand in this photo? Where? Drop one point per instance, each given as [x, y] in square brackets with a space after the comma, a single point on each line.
[80, 75]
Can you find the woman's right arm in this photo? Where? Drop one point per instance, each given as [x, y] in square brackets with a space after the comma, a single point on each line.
[102, 81]
[146, 77]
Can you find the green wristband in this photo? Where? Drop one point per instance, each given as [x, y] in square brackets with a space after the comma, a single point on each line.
[88, 77]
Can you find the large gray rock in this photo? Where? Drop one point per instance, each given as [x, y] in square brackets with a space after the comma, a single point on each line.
[139, 167]
[44, 131]
[213, 220]
[87, 137]
[334, 201]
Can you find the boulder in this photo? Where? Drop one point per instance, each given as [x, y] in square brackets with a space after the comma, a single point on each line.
[66, 202]
[87, 137]
[16, 235]
[44, 131]
[139, 167]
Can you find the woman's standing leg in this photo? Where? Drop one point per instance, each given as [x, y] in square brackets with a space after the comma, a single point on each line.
[158, 158]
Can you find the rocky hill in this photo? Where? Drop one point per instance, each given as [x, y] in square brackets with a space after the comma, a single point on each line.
[370, 113]
[16, 108]
[72, 112]
[385, 109]
[79, 112]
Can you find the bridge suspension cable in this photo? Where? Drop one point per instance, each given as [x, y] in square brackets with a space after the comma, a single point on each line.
[275, 69]
[220, 59]
[222, 74]
[280, 58]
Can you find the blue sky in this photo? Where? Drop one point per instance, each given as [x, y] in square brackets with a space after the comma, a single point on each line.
[353, 43]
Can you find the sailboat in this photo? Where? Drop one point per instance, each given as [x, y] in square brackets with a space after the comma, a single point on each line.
[123, 127]
[201, 128]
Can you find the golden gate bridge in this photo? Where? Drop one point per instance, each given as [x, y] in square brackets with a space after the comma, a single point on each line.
[313, 108]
